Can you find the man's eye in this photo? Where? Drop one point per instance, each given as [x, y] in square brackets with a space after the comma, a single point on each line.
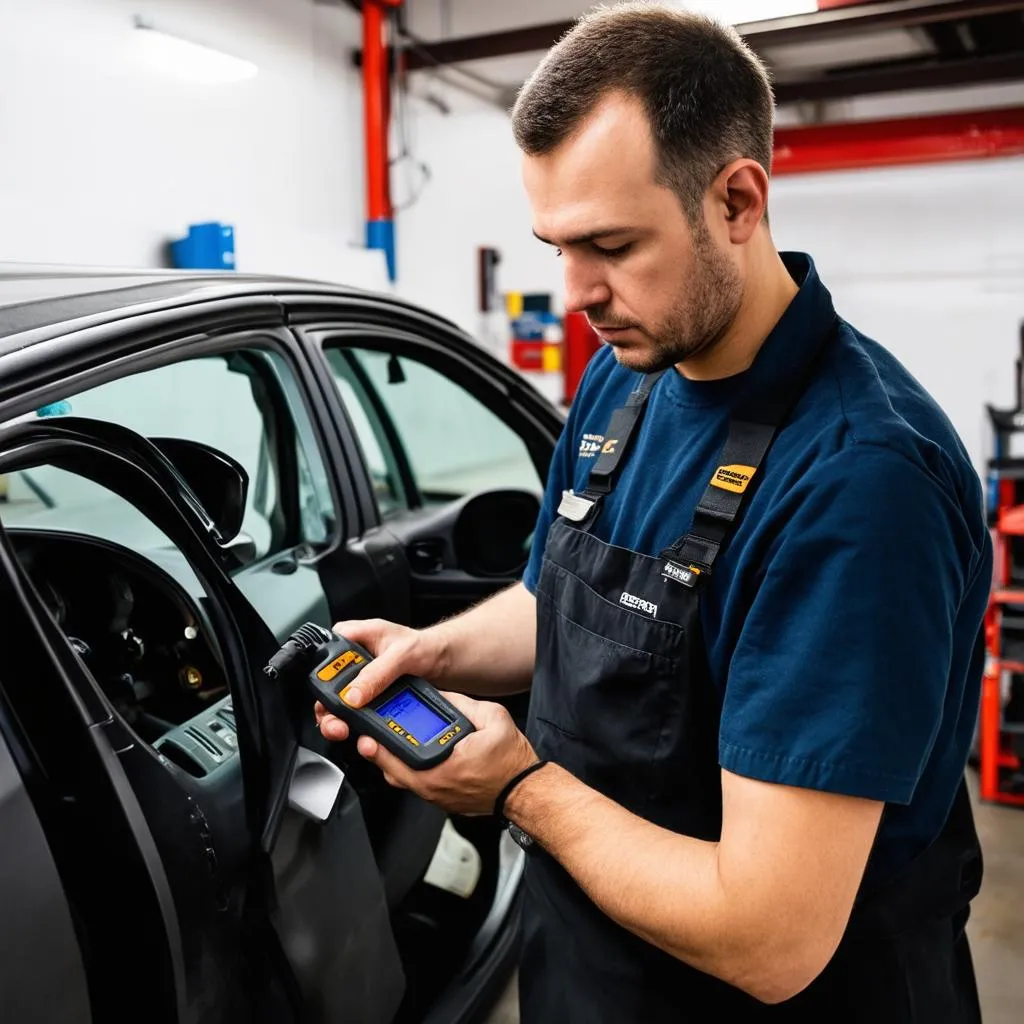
[612, 253]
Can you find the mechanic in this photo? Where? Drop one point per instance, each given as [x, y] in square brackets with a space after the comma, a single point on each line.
[752, 612]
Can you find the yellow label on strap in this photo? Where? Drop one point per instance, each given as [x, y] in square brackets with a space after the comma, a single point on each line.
[733, 478]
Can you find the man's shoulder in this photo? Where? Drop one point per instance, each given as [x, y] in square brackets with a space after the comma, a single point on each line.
[881, 403]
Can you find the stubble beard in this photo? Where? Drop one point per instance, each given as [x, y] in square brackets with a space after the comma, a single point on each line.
[700, 318]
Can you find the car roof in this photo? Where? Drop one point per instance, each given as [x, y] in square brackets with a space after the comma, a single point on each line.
[34, 297]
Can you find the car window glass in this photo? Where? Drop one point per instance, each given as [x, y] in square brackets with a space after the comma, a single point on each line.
[229, 402]
[454, 444]
[48, 498]
[371, 436]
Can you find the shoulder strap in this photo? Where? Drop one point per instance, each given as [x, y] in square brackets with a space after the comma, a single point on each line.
[751, 432]
[580, 508]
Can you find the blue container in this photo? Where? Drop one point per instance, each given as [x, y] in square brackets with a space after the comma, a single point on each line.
[208, 246]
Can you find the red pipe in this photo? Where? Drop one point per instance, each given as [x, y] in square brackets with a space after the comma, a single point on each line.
[375, 85]
[912, 140]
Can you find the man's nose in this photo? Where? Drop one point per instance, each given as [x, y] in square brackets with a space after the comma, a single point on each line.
[585, 286]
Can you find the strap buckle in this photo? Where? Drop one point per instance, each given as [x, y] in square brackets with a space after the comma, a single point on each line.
[575, 507]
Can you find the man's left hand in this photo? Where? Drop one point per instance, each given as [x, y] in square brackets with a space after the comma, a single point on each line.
[469, 781]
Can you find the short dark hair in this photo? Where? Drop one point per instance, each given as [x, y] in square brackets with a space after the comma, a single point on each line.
[707, 95]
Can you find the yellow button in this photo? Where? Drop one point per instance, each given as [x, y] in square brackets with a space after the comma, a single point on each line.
[449, 735]
[414, 742]
[328, 672]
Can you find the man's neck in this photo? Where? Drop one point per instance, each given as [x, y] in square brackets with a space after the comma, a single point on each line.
[768, 293]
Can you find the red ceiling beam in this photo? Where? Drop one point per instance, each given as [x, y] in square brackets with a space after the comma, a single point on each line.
[825, 5]
[913, 140]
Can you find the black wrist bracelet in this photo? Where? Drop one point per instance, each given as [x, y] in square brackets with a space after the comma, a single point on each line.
[499, 804]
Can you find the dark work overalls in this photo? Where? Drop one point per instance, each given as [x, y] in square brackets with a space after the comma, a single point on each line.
[623, 699]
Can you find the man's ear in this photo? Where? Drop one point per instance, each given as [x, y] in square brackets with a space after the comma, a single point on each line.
[740, 198]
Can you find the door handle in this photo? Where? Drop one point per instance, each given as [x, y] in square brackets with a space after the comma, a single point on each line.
[426, 556]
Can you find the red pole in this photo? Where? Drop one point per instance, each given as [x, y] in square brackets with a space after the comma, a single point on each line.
[380, 226]
[375, 72]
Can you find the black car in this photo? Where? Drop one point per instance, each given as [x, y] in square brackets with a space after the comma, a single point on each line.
[192, 466]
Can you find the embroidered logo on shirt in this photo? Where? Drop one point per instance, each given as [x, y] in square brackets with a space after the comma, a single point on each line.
[733, 478]
[639, 604]
[590, 445]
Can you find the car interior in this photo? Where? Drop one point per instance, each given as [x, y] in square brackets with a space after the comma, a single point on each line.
[140, 622]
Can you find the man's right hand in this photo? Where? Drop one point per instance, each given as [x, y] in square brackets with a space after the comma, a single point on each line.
[397, 651]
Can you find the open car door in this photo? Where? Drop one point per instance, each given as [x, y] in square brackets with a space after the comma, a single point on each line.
[241, 884]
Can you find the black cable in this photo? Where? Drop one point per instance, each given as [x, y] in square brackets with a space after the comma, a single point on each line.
[406, 152]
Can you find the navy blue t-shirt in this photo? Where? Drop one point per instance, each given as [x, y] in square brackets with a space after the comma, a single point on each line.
[842, 621]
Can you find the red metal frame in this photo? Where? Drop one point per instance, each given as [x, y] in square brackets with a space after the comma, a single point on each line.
[995, 749]
[912, 140]
[827, 5]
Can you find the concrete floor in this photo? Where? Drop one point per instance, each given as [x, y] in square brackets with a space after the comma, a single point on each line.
[996, 927]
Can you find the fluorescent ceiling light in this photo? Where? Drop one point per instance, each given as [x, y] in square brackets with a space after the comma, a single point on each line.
[739, 12]
[191, 61]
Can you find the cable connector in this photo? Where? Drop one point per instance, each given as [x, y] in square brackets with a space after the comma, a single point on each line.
[299, 650]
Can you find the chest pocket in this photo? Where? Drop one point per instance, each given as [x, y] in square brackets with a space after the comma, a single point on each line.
[616, 700]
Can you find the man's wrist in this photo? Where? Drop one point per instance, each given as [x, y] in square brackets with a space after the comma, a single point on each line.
[517, 804]
[439, 639]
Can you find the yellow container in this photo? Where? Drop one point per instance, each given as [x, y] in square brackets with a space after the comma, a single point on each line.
[551, 357]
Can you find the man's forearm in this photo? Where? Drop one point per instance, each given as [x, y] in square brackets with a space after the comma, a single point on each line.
[640, 875]
[490, 649]
[669, 889]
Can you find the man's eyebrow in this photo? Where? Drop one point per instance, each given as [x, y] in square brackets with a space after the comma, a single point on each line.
[590, 236]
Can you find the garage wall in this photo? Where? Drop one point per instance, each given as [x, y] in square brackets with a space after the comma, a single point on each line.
[930, 262]
[105, 158]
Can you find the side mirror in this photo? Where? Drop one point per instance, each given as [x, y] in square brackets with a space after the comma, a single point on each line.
[219, 482]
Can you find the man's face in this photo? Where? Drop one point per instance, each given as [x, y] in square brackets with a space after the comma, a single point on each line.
[658, 290]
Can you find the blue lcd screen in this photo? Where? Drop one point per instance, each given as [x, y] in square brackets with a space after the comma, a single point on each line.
[418, 720]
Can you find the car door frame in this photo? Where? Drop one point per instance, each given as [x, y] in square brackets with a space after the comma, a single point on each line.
[444, 348]
[145, 342]
[436, 343]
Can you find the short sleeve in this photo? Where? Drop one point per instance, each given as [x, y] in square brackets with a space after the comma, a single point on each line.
[841, 672]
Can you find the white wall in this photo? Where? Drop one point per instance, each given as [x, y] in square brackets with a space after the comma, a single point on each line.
[106, 158]
[475, 197]
[930, 262]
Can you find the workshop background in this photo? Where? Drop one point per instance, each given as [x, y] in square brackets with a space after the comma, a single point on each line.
[298, 135]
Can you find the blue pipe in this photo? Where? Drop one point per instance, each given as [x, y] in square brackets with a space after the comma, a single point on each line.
[380, 234]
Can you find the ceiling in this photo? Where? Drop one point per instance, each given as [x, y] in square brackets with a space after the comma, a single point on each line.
[863, 49]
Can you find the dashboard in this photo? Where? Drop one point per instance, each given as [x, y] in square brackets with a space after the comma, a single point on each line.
[143, 637]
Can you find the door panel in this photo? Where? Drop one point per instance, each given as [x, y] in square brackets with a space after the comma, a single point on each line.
[286, 594]
[465, 550]
[42, 976]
